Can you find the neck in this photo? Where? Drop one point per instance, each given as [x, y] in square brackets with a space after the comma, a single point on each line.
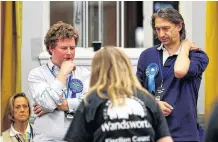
[56, 64]
[20, 126]
[173, 48]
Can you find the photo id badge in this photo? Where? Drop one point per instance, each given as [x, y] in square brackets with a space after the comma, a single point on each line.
[159, 93]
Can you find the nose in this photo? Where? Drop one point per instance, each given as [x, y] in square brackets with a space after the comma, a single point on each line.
[68, 50]
[21, 108]
[161, 33]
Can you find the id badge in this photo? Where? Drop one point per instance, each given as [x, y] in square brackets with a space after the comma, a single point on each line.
[159, 93]
[70, 116]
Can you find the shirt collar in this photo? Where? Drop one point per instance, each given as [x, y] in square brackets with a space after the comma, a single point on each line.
[13, 132]
[161, 47]
[52, 66]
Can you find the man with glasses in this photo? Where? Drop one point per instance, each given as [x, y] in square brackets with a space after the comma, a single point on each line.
[172, 72]
[57, 88]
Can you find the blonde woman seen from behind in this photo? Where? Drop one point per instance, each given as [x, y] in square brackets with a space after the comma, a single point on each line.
[116, 107]
[18, 112]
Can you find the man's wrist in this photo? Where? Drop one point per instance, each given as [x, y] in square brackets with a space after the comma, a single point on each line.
[62, 78]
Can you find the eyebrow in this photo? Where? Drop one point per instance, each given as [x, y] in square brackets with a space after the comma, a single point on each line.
[21, 105]
[162, 27]
[69, 46]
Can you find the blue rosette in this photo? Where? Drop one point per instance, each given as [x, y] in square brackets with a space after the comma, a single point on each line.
[76, 86]
[151, 71]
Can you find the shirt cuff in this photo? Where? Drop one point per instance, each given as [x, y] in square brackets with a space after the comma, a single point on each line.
[59, 88]
[73, 103]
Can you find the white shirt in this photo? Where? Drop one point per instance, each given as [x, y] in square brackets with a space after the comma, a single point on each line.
[166, 54]
[47, 91]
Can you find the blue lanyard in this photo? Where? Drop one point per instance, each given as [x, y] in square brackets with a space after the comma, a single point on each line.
[161, 71]
[68, 82]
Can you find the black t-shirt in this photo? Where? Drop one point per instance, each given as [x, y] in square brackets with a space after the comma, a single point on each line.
[139, 120]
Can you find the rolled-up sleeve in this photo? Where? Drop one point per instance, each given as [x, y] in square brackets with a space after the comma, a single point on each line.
[46, 95]
[198, 63]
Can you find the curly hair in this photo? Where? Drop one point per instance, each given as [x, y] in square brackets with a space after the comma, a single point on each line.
[59, 31]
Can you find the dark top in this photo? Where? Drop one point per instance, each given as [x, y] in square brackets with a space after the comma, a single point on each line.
[212, 128]
[139, 120]
[182, 93]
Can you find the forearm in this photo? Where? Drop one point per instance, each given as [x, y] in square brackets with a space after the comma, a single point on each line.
[182, 63]
[48, 99]
[45, 95]
[62, 77]
[63, 106]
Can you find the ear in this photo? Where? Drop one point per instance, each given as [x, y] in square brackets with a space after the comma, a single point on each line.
[51, 49]
[179, 26]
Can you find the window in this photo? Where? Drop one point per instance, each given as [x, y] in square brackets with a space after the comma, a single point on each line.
[111, 22]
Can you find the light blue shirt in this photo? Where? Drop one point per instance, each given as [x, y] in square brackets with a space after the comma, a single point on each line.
[47, 91]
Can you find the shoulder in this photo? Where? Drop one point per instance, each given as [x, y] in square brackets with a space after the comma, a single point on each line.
[92, 107]
[82, 71]
[94, 100]
[148, 100]
[6, 133]
[198, 53]
[149, 50]
[37, 70]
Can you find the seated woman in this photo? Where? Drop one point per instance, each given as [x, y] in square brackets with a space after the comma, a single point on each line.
[18, 112]
[117, 108]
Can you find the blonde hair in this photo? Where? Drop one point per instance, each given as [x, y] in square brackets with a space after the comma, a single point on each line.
[112, 72]
[10, 106]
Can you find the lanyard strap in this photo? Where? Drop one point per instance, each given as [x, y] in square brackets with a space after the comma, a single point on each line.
[29, 135]
[161, 71]
[68, 82]
[31, 130]
[18, 138]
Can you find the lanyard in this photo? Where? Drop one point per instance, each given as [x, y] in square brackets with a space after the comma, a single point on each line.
[27, 137]
[68, 82]
[161, 71]
[18, 138]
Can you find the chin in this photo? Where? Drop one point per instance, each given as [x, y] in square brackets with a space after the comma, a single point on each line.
[165, 43]
[23, 120]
